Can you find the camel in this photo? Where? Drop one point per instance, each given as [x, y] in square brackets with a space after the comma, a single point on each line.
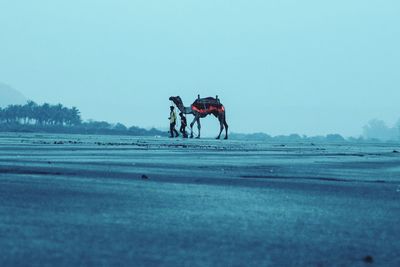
[201, 108]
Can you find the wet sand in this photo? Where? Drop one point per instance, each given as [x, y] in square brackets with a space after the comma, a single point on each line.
[100, 200]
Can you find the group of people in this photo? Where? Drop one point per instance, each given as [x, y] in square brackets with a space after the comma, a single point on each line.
[172, 123]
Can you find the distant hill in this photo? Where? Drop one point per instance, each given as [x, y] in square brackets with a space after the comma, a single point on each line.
[9, 95]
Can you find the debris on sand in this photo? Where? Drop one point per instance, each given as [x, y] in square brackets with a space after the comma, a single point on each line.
[368, 259]
[281, 145]
[145, 177]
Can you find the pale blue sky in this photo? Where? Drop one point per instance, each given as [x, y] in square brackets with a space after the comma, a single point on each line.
[311, 67]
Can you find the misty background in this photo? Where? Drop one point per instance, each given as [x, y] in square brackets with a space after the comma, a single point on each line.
[280, 67]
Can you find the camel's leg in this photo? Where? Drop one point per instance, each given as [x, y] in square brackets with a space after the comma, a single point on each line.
[191, 126]
[198, 127]
[226, 128]
[196, 119]
[221, 126]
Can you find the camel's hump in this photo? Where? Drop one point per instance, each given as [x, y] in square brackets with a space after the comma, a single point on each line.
[207, 105]
[207, 101]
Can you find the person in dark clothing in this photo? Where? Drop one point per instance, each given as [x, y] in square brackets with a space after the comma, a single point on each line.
[183, 125]
[172, 122]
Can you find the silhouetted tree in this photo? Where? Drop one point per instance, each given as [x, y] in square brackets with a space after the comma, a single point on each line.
[120, 127]
[97, 125]
[28, 111]
[335, 138]
[377, 129]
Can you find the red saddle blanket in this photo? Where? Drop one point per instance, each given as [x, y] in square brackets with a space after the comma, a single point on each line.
[208, 104]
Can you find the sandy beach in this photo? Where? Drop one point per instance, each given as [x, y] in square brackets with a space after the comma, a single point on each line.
[74, 200]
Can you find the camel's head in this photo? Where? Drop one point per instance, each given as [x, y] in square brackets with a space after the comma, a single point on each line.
[176, 99]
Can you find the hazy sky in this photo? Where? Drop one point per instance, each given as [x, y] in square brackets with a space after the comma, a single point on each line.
[311, 67]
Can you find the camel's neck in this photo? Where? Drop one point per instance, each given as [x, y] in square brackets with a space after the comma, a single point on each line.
[185, 110]
[182, 108]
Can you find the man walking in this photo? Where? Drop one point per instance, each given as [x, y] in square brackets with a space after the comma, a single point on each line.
[183, 125]
[172, 123]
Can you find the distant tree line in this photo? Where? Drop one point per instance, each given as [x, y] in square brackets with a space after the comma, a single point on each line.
[32, 117]
[46, 114]
[376, 131]
[331, 138]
